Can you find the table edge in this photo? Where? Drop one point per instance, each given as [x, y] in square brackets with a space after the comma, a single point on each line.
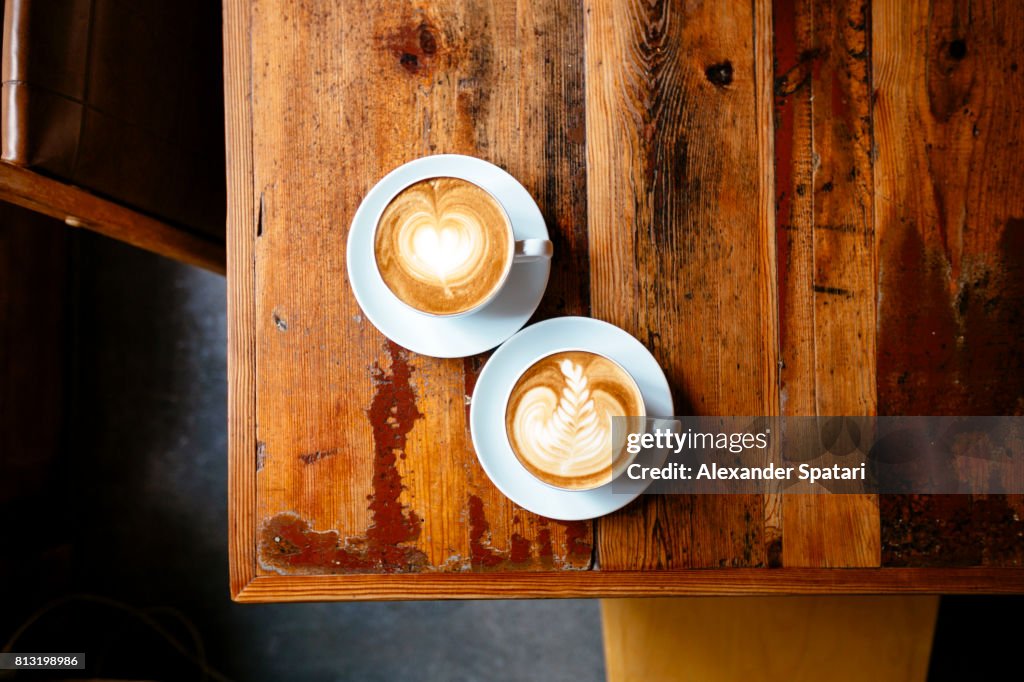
[613, 584]
[247, 587]
[242, 228]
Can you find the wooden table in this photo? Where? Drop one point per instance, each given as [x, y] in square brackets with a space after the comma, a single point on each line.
[799, 208]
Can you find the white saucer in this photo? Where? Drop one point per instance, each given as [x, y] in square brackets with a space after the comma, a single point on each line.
[438, 336]
[487, 413]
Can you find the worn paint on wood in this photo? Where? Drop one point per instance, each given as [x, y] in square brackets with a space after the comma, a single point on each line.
[366, 445]
[949, 200]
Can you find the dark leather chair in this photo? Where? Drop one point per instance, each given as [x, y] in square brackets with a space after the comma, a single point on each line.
[122, 99]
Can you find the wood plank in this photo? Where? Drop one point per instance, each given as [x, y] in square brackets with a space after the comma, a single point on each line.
[824, 192]
[672, 127]
[241, 237]
[365, 457]
[949, 210]
[763, 638]
[689, 582]
[78, 208]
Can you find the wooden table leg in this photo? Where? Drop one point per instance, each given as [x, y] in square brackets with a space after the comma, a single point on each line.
[769, 638]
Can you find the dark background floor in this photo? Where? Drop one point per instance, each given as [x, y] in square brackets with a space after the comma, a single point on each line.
[141, 510]
[113, 484]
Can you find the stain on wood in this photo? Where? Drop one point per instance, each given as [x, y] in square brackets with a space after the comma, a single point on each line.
[949, 201]
[524, 551]
[313, 457]
[577, 538]
[672, 134]
[393, 414]
[288, 545]
[951, 530]
[346, 413]
[483, 554]
[520, 550]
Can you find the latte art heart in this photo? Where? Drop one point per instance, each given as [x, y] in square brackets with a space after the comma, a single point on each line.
[559, 418]
[443, 245]
[438, 255]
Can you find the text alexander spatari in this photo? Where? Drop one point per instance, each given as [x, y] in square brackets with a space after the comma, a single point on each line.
[665, 439]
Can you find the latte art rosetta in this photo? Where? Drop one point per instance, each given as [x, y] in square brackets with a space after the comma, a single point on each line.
[561, 433]
[443, 245]
[559, 418]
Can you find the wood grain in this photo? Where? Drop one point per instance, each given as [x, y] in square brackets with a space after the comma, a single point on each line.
[364, 456]
[672, 132]
[670, 176]
[949, 210]
[241, 236]
[826, 245]
[825, 639]
[692, 582]
[76, 207]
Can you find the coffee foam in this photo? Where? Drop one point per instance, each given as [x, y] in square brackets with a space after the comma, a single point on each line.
[559, 418]
[443, 245]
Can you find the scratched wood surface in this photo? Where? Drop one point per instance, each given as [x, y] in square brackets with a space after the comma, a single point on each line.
[363, 451]
[949, 209]
[672, 141]
[801, 208]
[826, 244]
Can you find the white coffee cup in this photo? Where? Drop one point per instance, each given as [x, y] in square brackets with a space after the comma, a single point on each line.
[517, 251]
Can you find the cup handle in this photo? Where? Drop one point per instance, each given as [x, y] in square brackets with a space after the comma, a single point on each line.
[528, 250]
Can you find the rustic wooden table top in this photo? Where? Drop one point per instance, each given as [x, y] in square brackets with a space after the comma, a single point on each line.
[800, 208]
